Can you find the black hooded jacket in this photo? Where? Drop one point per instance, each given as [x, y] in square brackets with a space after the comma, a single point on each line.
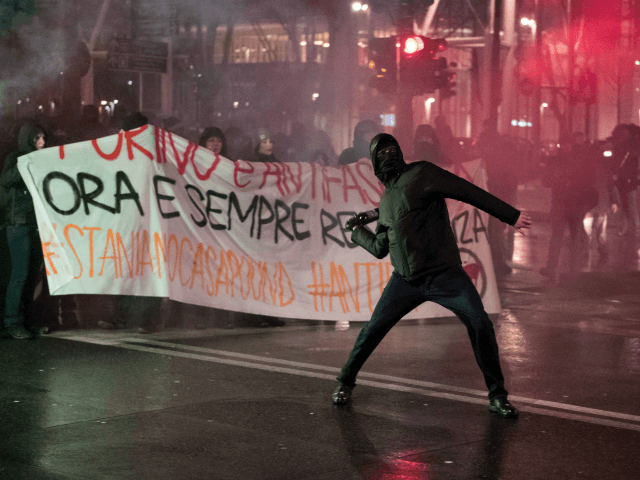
[361, 134]
[414, 225]
[19, 209]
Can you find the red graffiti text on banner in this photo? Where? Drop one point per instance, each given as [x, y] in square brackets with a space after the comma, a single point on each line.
[182, 159]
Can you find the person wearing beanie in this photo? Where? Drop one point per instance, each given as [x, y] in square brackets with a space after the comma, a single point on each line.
[213, 139]
[263, 151]
[363, 133]
[414, 229]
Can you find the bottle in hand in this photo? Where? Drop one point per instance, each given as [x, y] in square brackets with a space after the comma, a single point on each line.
[363, 218]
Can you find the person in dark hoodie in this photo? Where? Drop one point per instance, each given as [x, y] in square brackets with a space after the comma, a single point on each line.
[363, 133]
[426, 145]
[25, 249]
[213, 139]
[414, 228]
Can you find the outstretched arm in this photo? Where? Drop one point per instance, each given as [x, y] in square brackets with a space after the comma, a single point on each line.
[523, 223]
[457, 188]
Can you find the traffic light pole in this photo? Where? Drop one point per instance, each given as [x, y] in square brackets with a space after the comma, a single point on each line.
[404, 97]
[404, 121]
[537, 111]
[495, 64]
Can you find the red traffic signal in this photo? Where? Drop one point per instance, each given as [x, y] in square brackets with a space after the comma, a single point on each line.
[417, 46]
[420, 66]
[413, 45]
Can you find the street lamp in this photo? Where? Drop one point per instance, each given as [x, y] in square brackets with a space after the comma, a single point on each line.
[542, 107]
[359, 7]
[427, 106]
[531, 23]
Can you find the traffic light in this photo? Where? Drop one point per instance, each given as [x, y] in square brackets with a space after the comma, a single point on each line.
[440, 72]
[382, 59]
[448, 89]
[420, 67]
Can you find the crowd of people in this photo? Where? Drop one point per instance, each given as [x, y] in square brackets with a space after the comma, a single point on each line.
[582, 181]
[589, 183]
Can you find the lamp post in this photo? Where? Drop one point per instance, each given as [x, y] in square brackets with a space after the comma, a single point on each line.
[428, 105]
[537, 124]
[540, 130]
[571, 68]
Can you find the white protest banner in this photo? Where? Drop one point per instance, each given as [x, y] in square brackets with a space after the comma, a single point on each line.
[146, 212]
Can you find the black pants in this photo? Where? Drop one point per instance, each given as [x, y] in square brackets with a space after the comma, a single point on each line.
[571, 216]
[25, 251]
[454, 290]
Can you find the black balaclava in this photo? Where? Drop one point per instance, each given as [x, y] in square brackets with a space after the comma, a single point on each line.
[386, 157]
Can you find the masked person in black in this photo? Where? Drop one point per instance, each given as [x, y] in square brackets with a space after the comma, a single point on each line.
[414, 228]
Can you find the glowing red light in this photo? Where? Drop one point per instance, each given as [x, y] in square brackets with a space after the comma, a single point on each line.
[413, 45]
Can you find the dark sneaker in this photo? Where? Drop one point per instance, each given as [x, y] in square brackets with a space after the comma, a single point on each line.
[39, 330]
[106, 325]
[103, 324]
[502, 407]
[20, 334]
[146, 330]
[342, 395]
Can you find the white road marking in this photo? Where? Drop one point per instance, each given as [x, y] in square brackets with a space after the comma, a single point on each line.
[386, 382]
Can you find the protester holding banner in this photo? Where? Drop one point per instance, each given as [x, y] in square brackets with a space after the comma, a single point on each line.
[263, 151]
[363, 133]
[238, 144]
[89, 126]
[144, 309]
[414, 228]
[22, 237]
[213, 139]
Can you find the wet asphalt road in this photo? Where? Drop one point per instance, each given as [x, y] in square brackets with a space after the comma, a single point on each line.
[254, 403]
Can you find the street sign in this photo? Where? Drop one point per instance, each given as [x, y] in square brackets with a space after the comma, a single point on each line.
[137, 55]
[154, 18]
